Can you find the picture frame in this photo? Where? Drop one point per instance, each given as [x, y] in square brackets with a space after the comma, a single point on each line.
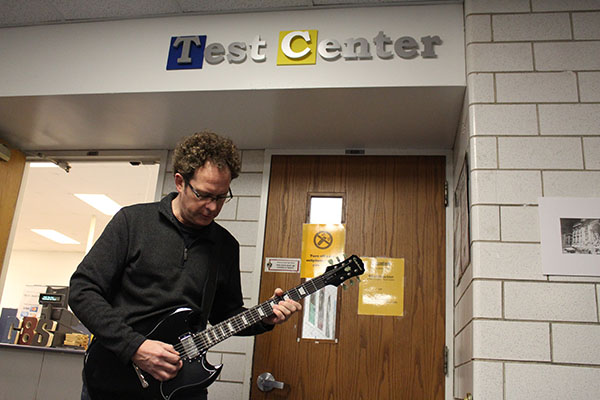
[462, 236]
[570, 235]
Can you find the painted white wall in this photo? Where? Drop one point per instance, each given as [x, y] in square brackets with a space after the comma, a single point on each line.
[131, 56]
[532, 128]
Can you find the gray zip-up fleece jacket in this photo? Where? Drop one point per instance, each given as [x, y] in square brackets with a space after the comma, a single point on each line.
[139, 270]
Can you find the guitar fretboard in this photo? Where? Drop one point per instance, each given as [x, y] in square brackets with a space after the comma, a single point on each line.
[217, 333]
[194, 344]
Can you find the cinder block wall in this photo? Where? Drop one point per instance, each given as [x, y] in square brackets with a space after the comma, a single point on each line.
[531, 128]
[240, 217]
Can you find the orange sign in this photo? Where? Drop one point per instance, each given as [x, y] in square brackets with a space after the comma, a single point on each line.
[321, 243]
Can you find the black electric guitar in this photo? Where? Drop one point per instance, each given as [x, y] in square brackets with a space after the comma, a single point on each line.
[106, 375]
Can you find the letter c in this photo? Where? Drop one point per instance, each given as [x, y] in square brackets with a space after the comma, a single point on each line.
[287, 40]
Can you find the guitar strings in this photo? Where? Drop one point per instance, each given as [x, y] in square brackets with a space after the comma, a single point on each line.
[202, 341]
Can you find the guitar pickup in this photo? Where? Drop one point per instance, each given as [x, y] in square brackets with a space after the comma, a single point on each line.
[190, 350]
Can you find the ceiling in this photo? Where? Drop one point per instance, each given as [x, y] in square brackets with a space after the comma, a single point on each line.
[389, 117]
[41, 12]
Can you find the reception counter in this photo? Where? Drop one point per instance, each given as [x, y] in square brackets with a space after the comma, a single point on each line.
[40, 373]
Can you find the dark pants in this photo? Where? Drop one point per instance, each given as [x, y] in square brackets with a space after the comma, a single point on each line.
[85, 395]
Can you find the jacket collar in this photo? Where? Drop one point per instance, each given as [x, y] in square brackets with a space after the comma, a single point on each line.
[166, 210]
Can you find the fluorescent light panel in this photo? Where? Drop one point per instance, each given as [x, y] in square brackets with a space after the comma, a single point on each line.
[42, 165]
[55, 236]
[100, 202]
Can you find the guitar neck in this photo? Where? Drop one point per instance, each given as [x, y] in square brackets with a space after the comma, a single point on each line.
[217, 333]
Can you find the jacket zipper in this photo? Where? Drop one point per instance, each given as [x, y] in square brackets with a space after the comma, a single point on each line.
[185, 255]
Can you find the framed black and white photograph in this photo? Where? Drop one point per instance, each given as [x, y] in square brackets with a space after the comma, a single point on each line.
[580, 235]
[570, 235]
[462, 253]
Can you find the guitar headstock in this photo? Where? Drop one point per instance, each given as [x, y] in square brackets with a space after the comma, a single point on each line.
[339, 273]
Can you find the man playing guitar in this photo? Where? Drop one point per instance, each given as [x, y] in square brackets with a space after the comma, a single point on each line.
[153, 259]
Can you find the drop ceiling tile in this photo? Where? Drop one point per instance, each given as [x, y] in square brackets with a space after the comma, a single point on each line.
[92, 9]
[233, 6]
[18, 12]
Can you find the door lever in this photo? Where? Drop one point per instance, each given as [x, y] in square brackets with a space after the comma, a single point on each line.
[266, 382]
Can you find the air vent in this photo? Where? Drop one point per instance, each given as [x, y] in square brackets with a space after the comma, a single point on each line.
[355, 152]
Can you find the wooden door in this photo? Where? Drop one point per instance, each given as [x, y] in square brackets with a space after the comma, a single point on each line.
[394, 208]
[11, 174]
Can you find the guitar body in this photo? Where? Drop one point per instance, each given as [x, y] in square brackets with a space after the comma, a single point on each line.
[107, 378]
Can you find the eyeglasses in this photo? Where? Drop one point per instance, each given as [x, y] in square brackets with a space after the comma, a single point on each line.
[208, 198]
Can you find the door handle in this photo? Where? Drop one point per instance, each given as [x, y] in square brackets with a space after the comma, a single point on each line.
[266, 382]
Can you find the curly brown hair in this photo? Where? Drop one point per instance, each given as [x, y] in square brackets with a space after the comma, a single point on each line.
[194, 151]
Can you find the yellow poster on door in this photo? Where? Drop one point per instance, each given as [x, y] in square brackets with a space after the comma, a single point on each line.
[381, 290]
[320, 244]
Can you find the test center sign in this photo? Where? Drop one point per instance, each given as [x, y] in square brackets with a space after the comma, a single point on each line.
[297, 47]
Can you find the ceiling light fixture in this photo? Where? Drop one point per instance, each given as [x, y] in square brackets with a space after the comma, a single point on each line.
[55, 236]
[43, 164]
[100, 202]
[42, 157]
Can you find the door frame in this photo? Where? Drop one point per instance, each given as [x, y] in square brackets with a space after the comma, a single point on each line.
[449, 320]
[160, 156]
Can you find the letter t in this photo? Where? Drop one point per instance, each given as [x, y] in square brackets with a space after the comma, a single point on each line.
[256, 46]
[185, 50]
[380, 41]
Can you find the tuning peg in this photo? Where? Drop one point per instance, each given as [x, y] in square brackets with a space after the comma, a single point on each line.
[351, 282]
[344, 286]
[358, 278]
[330, 261]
